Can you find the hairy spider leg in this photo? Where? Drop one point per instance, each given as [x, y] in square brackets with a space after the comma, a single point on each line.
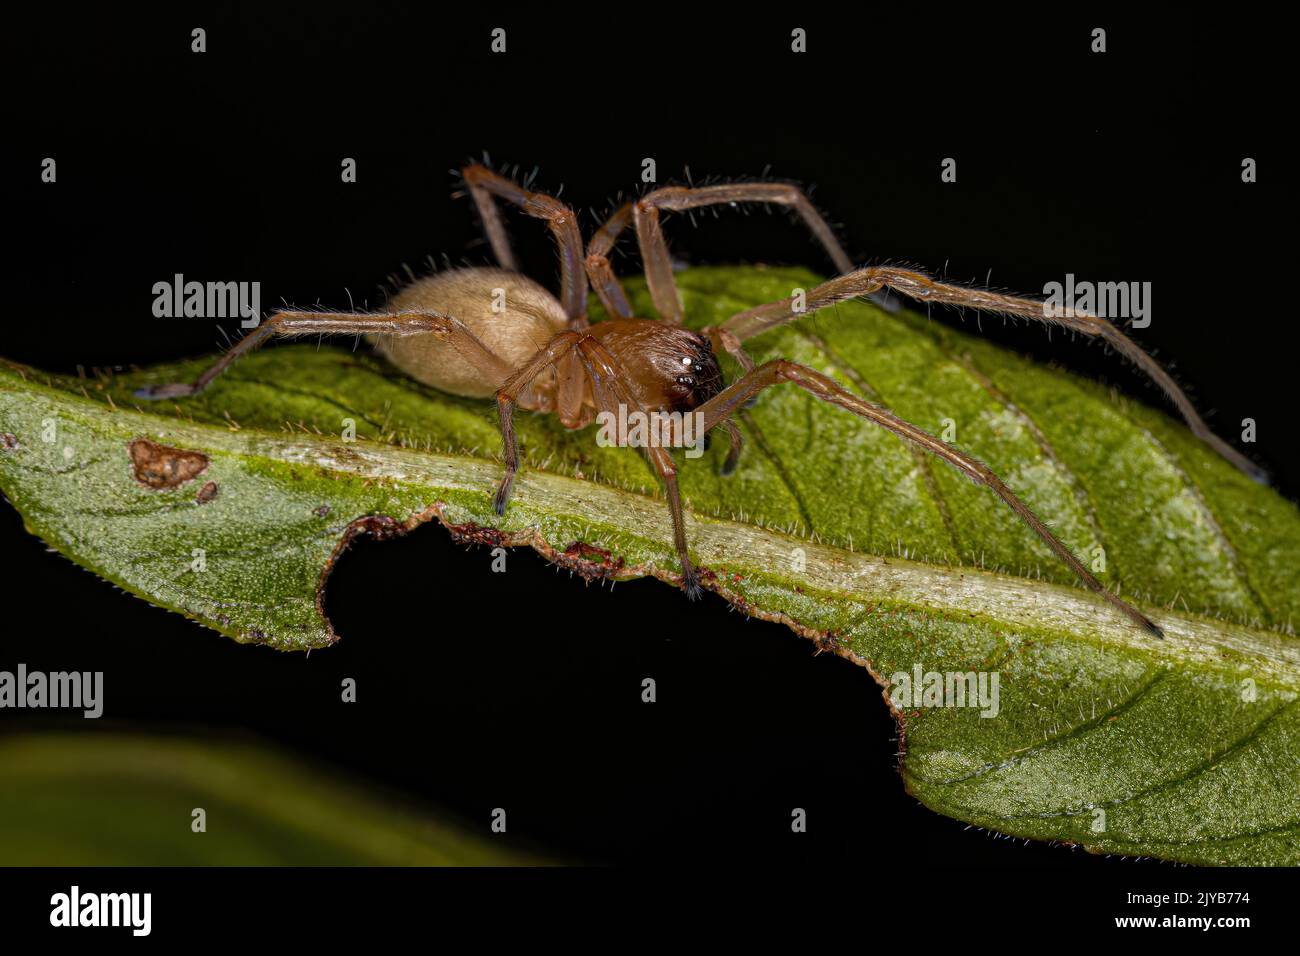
[644, 212]
[600, 273]
[719, 408]
[286, 324]
[607, 376]
[484, 184]
[921, 287]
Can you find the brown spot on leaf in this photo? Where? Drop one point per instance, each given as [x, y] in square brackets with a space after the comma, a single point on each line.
[159, 466]
[207, 493]
[8, 442]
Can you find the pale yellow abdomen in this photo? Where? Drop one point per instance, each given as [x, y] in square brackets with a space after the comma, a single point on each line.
[509, 313]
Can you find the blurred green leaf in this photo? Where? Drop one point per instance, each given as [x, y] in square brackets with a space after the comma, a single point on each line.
[124, 800]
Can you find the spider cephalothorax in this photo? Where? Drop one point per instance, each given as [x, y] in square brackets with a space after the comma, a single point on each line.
[488, 332]
[676, 370]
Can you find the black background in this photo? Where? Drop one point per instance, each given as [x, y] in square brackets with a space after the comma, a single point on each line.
[521, 690]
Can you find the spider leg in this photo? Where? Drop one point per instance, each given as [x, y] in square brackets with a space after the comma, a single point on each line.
[602, 366]
[608, 379]
[283, 324]
[737, 444]
[508, 396]
[484, 184]
[599, 271]
[919, 286]
[654, 248]
[724, 340]
[719, 408]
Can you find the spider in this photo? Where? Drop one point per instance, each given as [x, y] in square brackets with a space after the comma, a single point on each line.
[493, 332]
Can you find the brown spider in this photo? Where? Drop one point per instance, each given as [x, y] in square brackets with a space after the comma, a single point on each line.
[480, 332]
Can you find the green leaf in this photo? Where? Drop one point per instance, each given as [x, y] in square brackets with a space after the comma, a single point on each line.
[1186, 748]
[124, 800]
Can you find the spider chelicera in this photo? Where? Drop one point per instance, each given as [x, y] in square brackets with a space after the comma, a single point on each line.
[484, 332]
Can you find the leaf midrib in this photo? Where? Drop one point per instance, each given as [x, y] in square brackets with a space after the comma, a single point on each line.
[961, 592]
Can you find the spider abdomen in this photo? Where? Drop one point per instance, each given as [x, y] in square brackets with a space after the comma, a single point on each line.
[509, 313]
